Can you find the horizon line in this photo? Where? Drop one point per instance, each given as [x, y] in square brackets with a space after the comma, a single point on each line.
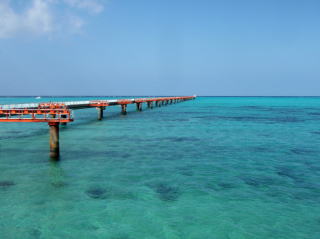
[21, 96]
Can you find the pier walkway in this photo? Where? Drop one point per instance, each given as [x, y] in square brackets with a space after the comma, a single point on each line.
[56, 113]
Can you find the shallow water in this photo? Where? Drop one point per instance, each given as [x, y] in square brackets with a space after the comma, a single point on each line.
[220, 168]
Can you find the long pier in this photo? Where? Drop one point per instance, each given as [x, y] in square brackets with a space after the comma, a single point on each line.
[60, 113]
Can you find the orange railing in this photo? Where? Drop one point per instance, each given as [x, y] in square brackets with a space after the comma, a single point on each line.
[61, 115]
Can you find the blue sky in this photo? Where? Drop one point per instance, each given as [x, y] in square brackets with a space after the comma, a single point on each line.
[149, 47]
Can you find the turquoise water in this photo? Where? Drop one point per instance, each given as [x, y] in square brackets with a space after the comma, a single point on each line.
[220, 168]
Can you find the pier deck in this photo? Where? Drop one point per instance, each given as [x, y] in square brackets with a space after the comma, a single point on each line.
[56, 113]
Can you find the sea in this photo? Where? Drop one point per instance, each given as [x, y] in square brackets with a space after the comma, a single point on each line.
[209, 168]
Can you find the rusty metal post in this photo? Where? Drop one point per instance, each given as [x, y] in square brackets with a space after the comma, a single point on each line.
[100, 113]
[54, 140]
[124, 109]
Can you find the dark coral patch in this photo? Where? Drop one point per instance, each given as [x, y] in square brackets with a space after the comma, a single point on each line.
[58, 184]
[226, 185]
[6, 184]
[110, 193]
[185, 170]
[302, 151]
[260, 149]
[315, 113]
[181, 139]
[35, 233]
[167, 192]
[256, 181]
[290, 173]
[97, 193]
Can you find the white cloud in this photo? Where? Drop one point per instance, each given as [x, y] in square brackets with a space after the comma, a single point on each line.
[39, 18]
[90, 5]
[9, 22]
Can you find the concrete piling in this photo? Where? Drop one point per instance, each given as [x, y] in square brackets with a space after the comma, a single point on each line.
[124, 109]
[139, 106]
[54, 140]
[100, 113]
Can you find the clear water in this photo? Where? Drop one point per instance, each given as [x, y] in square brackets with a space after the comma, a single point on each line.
[220, 168]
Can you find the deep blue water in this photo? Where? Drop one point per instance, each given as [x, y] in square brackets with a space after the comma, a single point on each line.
[214, 167]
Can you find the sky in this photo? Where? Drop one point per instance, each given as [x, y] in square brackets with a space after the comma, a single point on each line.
[167, 47]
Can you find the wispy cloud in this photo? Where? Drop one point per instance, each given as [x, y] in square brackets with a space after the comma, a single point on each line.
[43, 17]
[91, 6]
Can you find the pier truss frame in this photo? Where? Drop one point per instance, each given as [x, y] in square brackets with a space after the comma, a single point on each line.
[62, 115]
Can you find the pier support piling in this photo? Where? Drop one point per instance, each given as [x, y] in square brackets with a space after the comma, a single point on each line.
[139, 106]
[100, 112]
[63, 117]
[123, 109]
[54, 140]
